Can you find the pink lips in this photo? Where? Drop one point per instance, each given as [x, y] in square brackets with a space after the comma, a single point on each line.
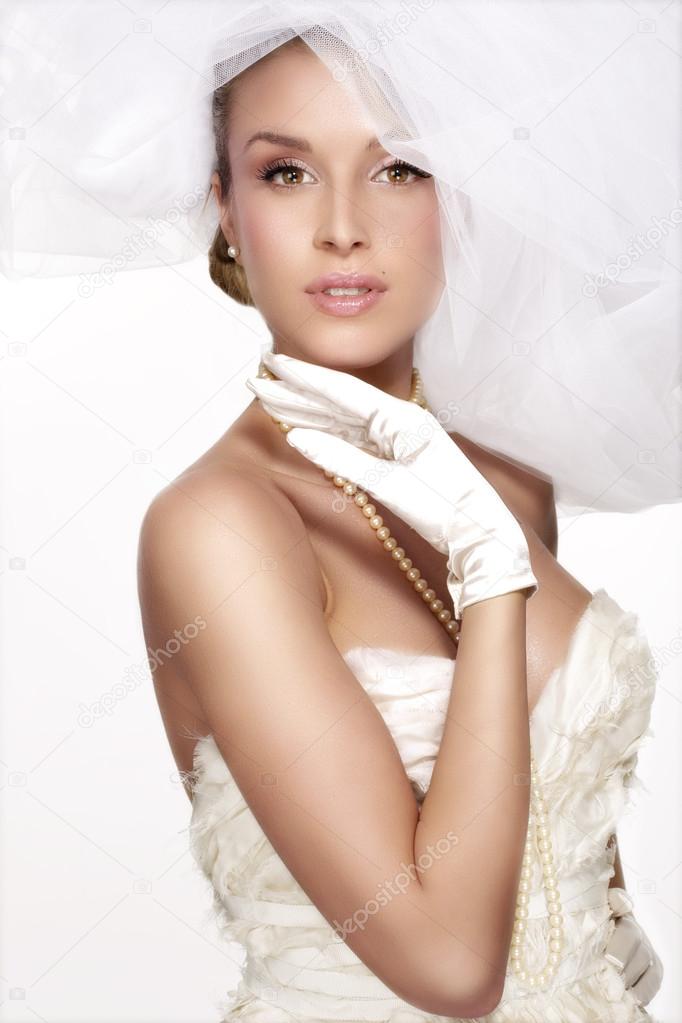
[345, 305]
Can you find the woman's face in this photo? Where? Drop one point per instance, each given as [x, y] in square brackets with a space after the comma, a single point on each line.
[299, 213]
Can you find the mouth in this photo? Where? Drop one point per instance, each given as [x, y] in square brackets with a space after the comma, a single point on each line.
[345, 294]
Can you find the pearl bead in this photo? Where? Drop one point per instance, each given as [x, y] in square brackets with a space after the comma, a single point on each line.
[538, 838]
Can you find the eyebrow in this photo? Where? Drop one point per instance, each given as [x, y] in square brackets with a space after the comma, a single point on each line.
[293, 142]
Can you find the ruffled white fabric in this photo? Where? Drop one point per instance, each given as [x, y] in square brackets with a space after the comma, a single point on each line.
[586, 732]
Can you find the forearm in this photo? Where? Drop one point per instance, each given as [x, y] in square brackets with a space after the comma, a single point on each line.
[479, 787]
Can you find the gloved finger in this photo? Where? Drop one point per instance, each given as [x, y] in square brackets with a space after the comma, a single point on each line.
[340, 389]
[333, 454]
[637, 964]
[649, 983]
[623, 942]
[317, 421]
[620, 901]
[298, 407]
[389, 482]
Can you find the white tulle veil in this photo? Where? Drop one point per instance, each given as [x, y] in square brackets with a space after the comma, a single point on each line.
[552, 130]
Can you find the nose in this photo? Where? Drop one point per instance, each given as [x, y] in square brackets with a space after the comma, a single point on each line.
[343, 225]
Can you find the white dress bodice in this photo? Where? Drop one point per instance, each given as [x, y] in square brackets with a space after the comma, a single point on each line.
[586, 730]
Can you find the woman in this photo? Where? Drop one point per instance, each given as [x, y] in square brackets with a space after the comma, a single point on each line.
[303, 815]
[374, 864]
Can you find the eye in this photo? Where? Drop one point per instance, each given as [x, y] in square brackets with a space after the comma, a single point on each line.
[271, 170]
[293, 170]
[404, 168]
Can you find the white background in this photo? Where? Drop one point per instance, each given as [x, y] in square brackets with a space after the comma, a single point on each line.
[106, 399]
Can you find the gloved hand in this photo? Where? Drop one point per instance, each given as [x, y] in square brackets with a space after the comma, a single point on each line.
[400, 454]
[630, 950]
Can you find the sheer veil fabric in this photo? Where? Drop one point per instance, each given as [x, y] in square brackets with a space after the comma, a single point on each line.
[552, 130]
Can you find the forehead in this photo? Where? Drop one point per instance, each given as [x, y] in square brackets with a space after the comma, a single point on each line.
[294, 93]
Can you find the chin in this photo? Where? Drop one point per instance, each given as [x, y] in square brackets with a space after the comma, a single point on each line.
[346, 349]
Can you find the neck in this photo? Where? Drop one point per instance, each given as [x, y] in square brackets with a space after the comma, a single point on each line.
[394, 375]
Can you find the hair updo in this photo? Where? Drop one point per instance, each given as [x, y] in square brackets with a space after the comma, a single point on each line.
[224, 271]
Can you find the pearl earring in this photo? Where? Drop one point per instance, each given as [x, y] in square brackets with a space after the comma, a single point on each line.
[232, 251]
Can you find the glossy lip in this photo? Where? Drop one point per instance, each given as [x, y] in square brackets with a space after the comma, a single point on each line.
[345, 280]
[345, 305]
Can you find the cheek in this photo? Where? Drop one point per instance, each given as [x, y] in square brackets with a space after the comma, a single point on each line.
[267, 228]
[266, 233]
[268, 242]
[424, 229]
[422, 244]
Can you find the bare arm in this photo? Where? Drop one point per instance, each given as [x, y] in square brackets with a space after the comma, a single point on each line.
[280, 700]
[531, 499]
[485, 741]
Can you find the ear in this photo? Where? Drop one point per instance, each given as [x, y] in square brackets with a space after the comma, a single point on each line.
[224, 211]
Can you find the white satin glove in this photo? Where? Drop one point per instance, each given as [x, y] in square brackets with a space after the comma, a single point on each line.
[630, 950]
[400, 454]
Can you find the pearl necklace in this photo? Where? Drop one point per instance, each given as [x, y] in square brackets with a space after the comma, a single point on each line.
[538, 834]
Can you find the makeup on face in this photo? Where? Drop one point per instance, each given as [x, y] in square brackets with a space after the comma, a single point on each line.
[345, 294]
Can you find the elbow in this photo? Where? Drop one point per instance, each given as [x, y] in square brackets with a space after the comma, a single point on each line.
[454, 995]
[472, 1004]
[458, 1005]
[488, 999]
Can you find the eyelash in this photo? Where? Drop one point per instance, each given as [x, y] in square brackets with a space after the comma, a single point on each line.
[268, 172]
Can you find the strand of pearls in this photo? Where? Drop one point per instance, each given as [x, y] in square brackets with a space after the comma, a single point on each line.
[538, 835]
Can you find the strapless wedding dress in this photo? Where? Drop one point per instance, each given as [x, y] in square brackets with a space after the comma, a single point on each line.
[586, 730]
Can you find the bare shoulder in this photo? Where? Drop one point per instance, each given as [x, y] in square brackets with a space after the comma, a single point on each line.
[219, 524]
[528, 495]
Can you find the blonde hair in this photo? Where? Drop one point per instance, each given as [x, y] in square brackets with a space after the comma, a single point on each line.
[224, 271]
